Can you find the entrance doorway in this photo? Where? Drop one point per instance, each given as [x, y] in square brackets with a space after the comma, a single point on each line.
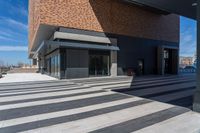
[99, 63]
[166, 61]
[141, 67]
[170, 61]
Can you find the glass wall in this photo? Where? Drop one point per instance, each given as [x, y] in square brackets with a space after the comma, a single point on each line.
[99, 63]
[53, 65]
[168, 61]
[48, 64]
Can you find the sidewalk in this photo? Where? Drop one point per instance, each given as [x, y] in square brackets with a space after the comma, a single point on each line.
[22, 77]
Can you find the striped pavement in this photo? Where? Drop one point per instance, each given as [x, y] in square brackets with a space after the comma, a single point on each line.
[106, 104]
[177, 90]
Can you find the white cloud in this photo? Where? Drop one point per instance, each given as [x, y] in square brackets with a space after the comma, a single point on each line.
[189, 50]
[14, 23]
[14, 48]
[6, 38]
[5, 34]
[188, 45]
[19, 10]
[187, 38]
[3, 38]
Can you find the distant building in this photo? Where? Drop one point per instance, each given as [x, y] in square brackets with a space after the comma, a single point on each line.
[186, 61]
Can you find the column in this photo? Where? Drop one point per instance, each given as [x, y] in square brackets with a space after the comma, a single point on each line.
[113, 69]
[37, 60]
[196, 103]
[40, 63]
[160, 60]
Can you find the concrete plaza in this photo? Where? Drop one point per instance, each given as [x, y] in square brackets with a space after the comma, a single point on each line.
[99, 105]
[24, 77]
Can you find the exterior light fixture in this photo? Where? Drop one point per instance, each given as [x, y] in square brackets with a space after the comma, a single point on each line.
[194, 4]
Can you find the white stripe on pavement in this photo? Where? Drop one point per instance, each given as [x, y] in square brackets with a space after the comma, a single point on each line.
[39, 117]
[43, 102]
[47, 94]
[186, 123]
[105, 120]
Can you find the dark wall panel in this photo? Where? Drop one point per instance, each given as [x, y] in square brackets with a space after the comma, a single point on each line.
[134, 49]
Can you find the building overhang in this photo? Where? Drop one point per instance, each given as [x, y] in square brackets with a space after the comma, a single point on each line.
[70, 40]
[51, 33]
[48, 46]
[84, 38]
[80, 45]
[44, 32]
[187, 8]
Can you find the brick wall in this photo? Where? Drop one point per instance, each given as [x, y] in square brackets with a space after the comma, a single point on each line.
[34, 19]
[111, 16]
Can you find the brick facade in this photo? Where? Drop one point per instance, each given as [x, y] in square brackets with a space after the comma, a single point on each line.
[111, 16]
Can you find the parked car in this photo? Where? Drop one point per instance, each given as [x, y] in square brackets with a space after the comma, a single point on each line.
[190, 69]
[4, 73]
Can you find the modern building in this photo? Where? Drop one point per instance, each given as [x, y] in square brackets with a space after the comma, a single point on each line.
[82, 38]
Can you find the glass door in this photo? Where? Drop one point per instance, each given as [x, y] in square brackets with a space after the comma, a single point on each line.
[166, 62]
[141, 66]
[99, 65]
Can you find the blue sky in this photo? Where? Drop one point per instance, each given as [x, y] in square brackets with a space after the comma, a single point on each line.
[13, 31]
[187, 37]
[14, 34]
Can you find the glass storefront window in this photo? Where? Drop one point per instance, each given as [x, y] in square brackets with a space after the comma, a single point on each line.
[49, 65]
[58, 65]
[53, 66]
